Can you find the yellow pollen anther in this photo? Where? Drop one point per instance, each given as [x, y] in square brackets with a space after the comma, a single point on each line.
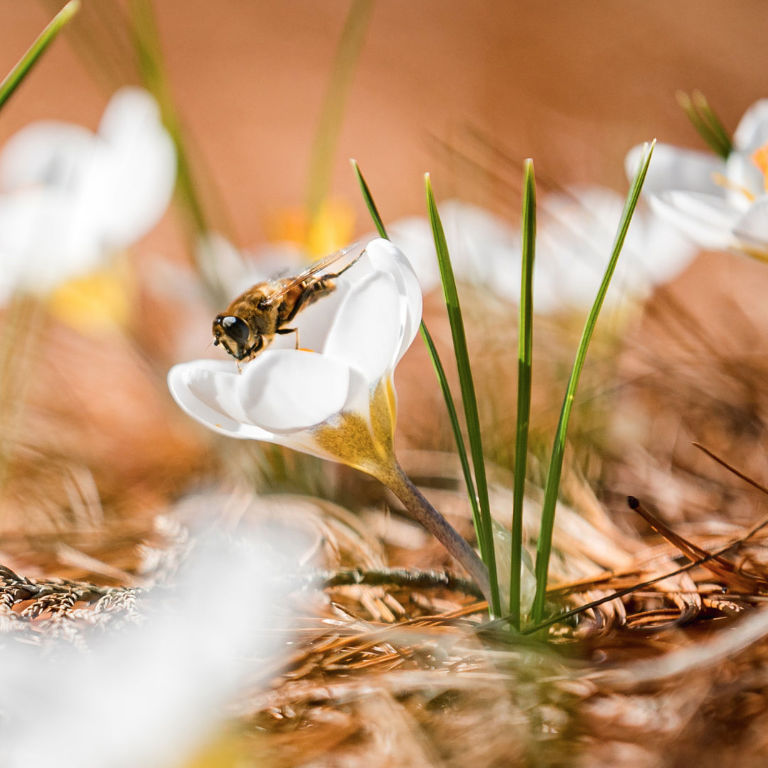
[760, 159]
[726, 183]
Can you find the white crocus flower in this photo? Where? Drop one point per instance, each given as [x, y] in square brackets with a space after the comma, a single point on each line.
[333, 398]
[149, 695]
[720, 203]
[351, 342]
[575, 233]
[69, 197]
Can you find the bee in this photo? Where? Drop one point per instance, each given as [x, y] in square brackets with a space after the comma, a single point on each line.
[251, 322]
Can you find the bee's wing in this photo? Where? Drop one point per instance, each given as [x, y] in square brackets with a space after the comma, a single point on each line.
[313, 269]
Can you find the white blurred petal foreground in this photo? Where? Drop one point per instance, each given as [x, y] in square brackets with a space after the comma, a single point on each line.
[69, 197]
[339, 383]
[576, 230]
[148, 695]
[719, 203]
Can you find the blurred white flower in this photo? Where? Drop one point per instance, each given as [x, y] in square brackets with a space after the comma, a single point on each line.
[336, 401]
[575, 234]
[148, 695]
[69, 197]
[719, 203]
[479, 243]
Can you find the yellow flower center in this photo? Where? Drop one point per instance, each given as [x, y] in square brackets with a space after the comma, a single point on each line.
[330, 230]
[760, 159]
[93, 303]
[364, 445]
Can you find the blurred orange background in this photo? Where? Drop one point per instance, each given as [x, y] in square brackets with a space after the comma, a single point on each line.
[573, 85]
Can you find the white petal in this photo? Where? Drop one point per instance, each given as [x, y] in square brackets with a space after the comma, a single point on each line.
[131, 110]
[506, 277]
[315, 321]
[477, 240]
[46, 153]
[752, 132]
[672, 168]
[575, 239]
[120, 182]
[386, 255]
[666, 251]
[208, 391]
[367, 331]
[132, 184]
[744, 179]
[42, 243]
[289, 390]
[753, 226]
[708, 220]
[413, 236]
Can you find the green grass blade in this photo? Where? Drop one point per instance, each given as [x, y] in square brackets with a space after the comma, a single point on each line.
[433, 356]
[524, 373]
[453, 416]
[369, 201]
[332, 111]
[714, 122]
[544, 548]
[485, 528]
[36, 50]
[101, 40]
[711, 138]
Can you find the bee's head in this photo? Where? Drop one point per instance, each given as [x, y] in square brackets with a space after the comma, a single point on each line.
[236, 337]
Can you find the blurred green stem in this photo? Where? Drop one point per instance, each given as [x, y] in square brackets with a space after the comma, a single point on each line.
[332, 111]
[150, 63]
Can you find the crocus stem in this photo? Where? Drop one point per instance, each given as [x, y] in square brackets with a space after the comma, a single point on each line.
[424, 513]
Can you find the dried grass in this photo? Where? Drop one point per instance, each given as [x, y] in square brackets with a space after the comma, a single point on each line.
[400, 667]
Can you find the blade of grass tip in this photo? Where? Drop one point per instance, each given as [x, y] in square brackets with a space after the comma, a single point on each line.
[714, 122]
[483, 524]
[369, 201]
[105, 49]
[524, 373]
[702, 127]
[332, 111]
[544, 548]
[36, 50]
[433, 355]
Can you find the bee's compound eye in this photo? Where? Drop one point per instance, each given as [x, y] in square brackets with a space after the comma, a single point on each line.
[235, 328]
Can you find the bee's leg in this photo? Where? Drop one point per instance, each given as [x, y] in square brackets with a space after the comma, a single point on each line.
[283, 331]
[342, 271]
[299, 303]
[324, 285]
